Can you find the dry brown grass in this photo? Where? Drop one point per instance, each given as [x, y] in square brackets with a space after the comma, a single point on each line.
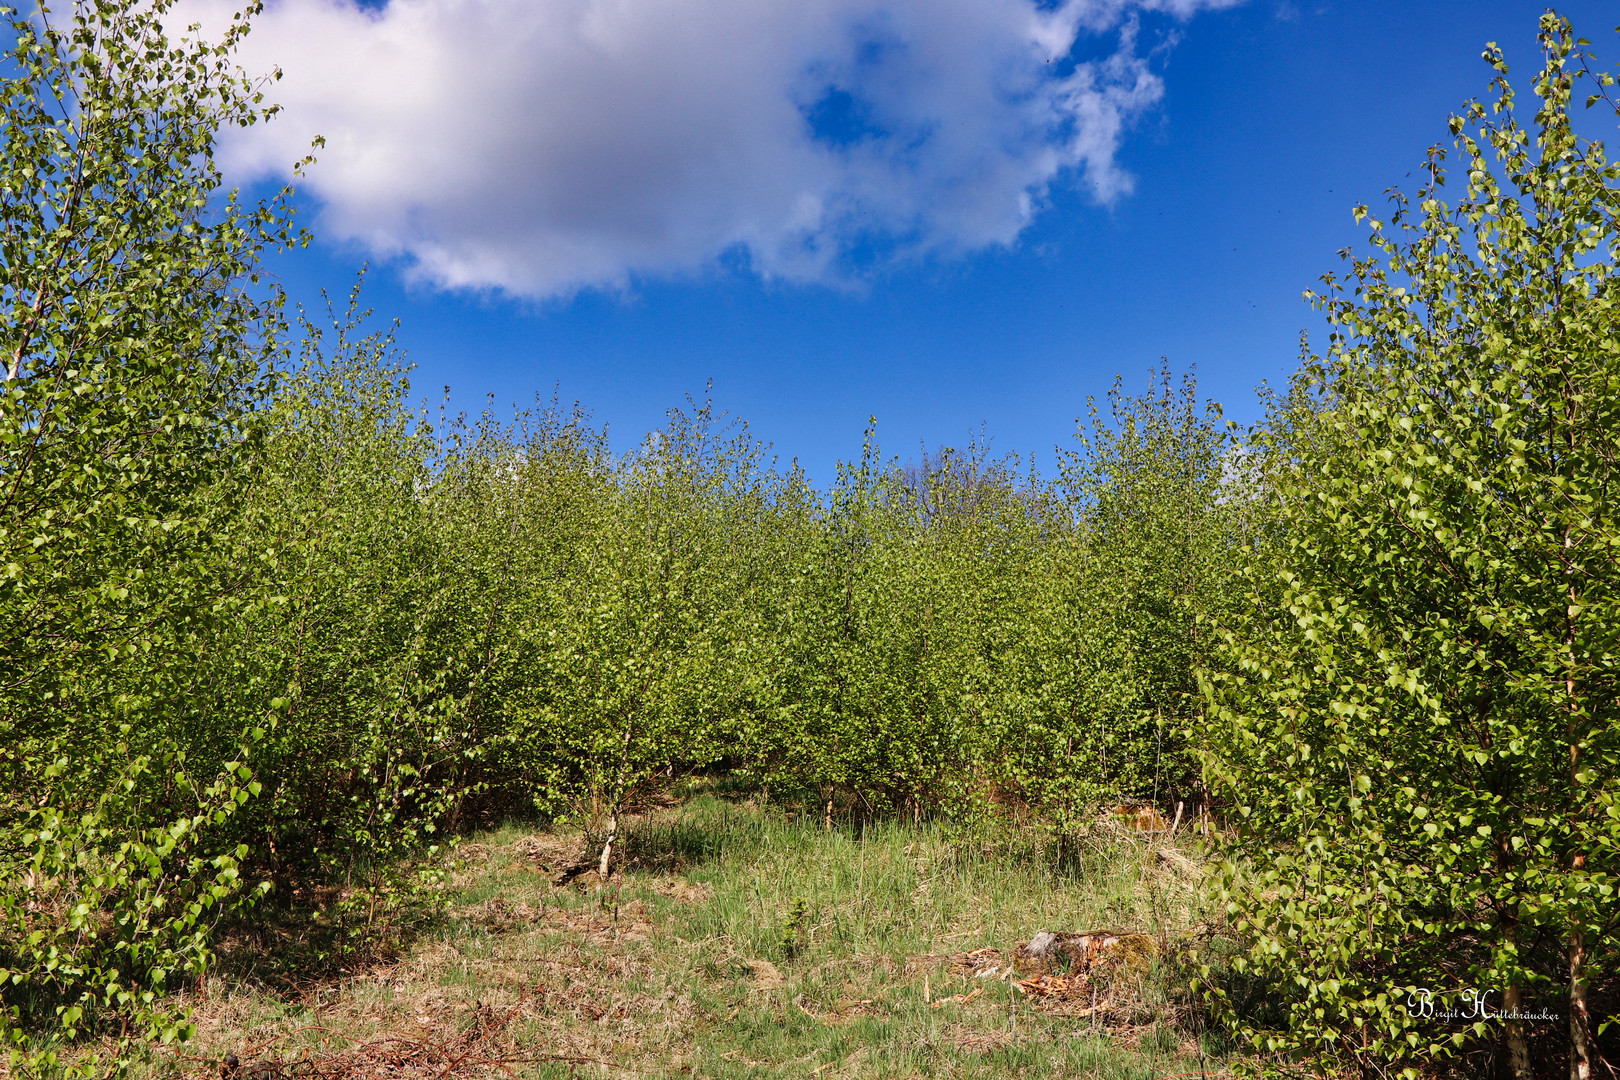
[677, 969]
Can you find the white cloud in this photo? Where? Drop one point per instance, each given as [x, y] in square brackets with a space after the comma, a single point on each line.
[542, 146]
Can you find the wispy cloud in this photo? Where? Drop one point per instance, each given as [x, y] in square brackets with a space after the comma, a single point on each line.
[543, 146]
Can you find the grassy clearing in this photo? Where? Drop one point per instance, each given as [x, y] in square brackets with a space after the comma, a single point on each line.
[738, 942]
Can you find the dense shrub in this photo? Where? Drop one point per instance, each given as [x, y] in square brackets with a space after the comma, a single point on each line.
[135, 357]
[1417, 717]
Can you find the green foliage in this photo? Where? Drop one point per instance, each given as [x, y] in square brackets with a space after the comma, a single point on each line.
[1417, 724]
[114, 911]
[134, 359]
[966, 638]
[1099, 650]
[362, 639]
[795, 927]
[499, 615]
[875, 626]
[637, 591]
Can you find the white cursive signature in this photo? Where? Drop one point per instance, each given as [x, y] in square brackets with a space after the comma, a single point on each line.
[1475, 1005]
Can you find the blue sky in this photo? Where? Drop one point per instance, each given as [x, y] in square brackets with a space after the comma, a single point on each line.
[1271, 121]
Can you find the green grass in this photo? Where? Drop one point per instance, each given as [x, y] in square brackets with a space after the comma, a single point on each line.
[741, 942]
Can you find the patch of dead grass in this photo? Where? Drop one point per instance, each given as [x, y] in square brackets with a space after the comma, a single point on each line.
[646, 977]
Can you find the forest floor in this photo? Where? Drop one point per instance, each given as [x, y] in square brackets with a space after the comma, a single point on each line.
[732, 941]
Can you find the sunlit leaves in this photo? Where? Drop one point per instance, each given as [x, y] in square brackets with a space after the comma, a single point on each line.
[1417, 749]
[131, 365]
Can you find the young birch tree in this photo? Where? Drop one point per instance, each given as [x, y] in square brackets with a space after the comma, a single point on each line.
[132, 357]
[1422, 740]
